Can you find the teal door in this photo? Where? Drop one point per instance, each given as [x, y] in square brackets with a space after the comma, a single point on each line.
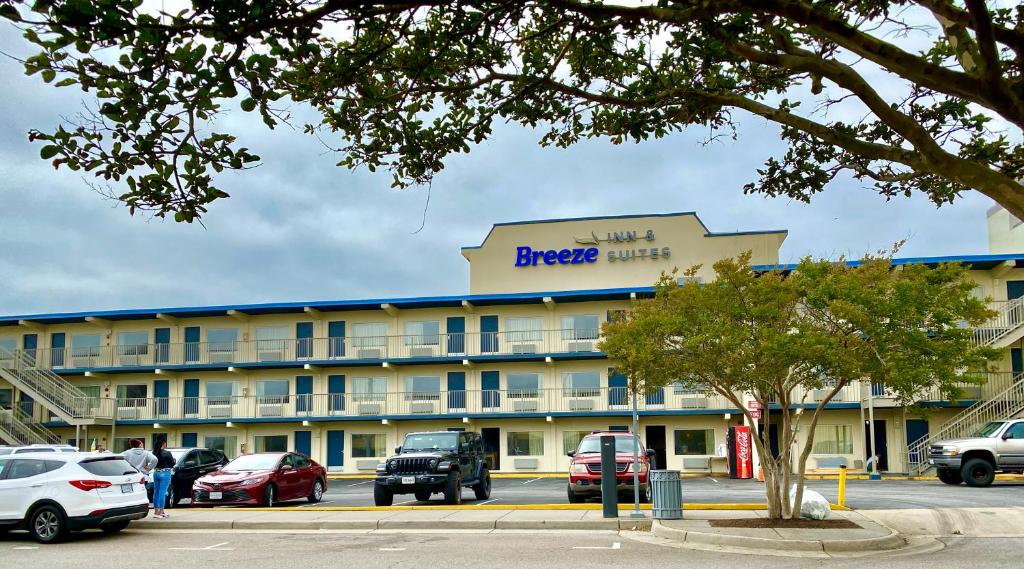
[335, 448]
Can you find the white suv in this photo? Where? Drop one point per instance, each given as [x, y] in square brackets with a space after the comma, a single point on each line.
[37, 448]
[53, 493]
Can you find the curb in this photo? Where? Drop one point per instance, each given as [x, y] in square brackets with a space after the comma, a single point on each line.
[370, 525]
[592, 507]
[883, 543]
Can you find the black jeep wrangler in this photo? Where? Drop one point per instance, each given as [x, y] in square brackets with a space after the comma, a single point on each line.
[434, 463]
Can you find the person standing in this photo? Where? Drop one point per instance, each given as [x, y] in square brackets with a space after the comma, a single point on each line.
[140, 458]
[161, 478]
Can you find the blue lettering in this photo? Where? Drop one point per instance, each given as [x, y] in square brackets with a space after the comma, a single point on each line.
[563, 256]
[522, 256]
[577, 256]
[550, 257]
[536, 257]
[590, 255]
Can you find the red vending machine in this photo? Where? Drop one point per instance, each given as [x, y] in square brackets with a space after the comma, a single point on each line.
[741, 460]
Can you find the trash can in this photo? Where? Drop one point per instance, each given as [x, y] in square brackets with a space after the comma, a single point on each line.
[667, 491]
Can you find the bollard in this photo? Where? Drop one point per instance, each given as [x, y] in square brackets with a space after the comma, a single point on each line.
[667, 494]
[842, 485]
[609, 483]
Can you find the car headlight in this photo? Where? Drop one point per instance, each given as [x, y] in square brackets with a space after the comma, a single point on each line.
[251, 481]
[578, 467]
[382, 467]
[392, 465]
[444, 466]
[950, 451]
[643, 467]
[433, 464]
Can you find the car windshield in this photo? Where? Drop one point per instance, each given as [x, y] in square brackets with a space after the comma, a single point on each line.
[178, 453]
[593, 444]
[989, 429]
[431, 441]
[254, 462]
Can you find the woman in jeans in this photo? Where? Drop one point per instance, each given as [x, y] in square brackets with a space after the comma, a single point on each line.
[161, 478]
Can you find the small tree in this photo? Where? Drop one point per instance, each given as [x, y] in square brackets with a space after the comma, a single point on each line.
[778, 338]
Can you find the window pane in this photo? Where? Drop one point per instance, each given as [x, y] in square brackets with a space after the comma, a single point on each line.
[132, 343]
[526, 444]
[695, 441]
[222, 340]
[9, 343]
[114, 466]
[226, 444]
[272, 443]
[369, 334]
[85, 345]
[220, 392]
[132, 391]
[90, 390]
[425, 333]
[423, 387]
[832, 439]
[369, 445]
[369, 388]
[582, 383]
[523, 330]
[523, 385]
[571, 440]
[272, 388]
[580, 327]
[6, 398]
[28, 468]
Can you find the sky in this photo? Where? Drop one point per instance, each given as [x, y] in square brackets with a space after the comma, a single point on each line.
[299, 228]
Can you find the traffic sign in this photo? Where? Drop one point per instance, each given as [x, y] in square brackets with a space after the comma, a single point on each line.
[755, 414]
[754, 404]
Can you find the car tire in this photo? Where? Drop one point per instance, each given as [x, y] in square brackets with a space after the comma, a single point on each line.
[269, 496]
[114, 527]
[978, 473]
[48, 524]
[950, 476]
[172, 497]
[423, 495]
[574, 498]
[317, 492]
[453, 489]
[482, 489]
[382, 496]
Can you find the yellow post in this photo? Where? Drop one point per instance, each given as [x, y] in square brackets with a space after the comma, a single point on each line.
[842, 486]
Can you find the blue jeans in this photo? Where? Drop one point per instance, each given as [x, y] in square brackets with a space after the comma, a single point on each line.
[161, 481]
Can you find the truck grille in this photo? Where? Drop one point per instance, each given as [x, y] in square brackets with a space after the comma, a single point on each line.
[935, 449]
[409, 465]
[619, 467]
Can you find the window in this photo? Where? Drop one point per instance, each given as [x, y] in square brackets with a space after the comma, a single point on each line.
[107, 466]
[27, 468]
[271, 342]
[271, 443]
[225, 444]
[571, 440]
[221, 392]
[581, 383]
[523, 385]
[426, 333]
[427, 442]
[1016, 432]
[8, 344]
[369, 388]
[369, 445]
[272, 391]
[132, 344]
[85, 346]
[6, 398]
[132, 395]
[423, 388]
[580, 327]
[300, 461]
[524, 330]
[222, 343]
[832, 439]
[592, 443]
[529, 443]
[121, 444]
[369, 334]
[688, 389]
[695, 441]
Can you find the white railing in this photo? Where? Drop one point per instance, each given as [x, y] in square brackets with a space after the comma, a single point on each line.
[1009, 317]
[419, 346]
[50, 390]
[1002, 405]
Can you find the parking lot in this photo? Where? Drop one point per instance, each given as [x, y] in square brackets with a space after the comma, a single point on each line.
[861, 494]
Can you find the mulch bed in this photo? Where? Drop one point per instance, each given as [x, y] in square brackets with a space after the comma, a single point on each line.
[837, 523]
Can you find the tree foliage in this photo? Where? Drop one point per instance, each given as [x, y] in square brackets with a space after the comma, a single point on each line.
[779, 338]
[403, 85]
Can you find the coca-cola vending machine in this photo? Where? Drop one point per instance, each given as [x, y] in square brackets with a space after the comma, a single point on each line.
[741, 462]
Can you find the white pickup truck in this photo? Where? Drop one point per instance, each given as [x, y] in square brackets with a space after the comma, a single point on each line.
[996, 447]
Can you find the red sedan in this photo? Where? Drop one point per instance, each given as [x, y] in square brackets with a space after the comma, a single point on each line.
[262, 479]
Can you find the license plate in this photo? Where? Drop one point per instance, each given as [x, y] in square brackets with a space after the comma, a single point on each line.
[127, 488]
[408, 480]
[216, 495]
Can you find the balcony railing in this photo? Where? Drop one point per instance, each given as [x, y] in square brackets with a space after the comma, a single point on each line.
[382, 348]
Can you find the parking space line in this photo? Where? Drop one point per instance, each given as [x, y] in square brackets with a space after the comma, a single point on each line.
[489, 501]
[390, 549]
[533, 480]
[210, 548]
[407, 502]
[361, 483]
[712, 478]
[24, 548]
[321, 503]
[615, 545]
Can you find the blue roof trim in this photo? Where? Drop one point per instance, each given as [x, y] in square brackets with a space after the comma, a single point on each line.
[977, 261]
[707, 232]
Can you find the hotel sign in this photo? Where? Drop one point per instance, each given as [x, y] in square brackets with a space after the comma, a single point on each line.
[619, 241]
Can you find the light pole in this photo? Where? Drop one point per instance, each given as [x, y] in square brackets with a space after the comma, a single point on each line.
[636, 463]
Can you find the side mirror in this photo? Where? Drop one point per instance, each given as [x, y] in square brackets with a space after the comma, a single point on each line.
[398, 450]
[285, 467]
[571, 453]
[189, 464]
[1007, 435]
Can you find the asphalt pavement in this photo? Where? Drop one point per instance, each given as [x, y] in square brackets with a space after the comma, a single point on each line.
[860, 494]
[451, 549]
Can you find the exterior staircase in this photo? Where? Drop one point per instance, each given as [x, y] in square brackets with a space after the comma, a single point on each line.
[54, 392]
[1005, 328]
[18, 428]
[1004, 405]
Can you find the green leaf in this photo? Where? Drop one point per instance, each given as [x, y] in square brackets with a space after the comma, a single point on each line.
[49, 75]
[248, 104]
[48, 151]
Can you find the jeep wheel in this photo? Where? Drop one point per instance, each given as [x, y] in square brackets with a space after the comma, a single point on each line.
[382, 496]
[574, 498]
[978, 472]
[423, 495]
[482, 489]
[950, 476]
[453, 489]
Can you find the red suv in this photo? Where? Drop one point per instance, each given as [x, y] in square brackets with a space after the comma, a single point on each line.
[585, 467]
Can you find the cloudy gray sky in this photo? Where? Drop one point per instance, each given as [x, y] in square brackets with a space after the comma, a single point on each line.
[299, 228]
